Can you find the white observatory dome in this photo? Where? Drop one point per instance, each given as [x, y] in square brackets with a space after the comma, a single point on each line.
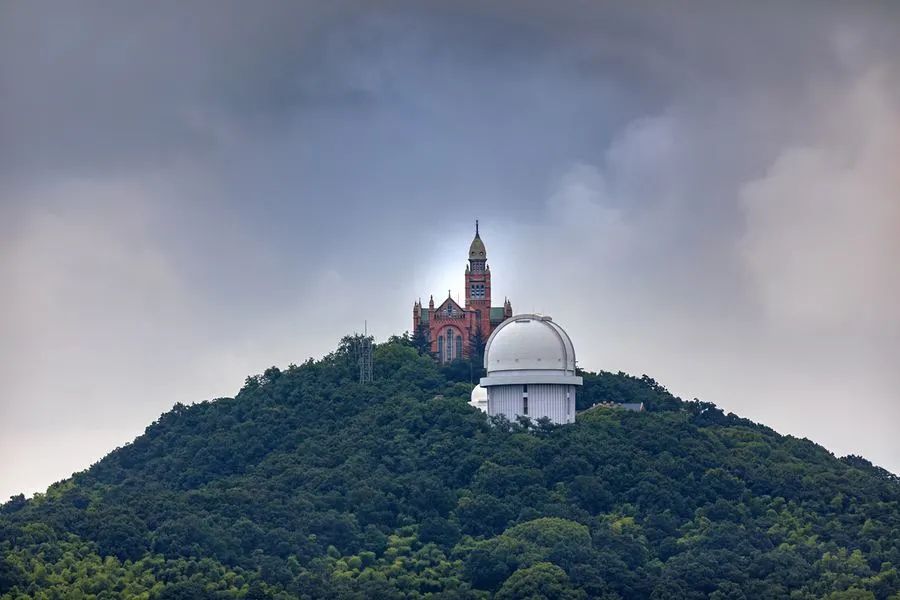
[530, 364]
[529, 342]
[479, 398]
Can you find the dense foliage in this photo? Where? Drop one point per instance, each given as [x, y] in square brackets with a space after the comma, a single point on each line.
[308, 484]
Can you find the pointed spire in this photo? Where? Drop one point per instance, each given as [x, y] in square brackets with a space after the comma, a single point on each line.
[476, 249]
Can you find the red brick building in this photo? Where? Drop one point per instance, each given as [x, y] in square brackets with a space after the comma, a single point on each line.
[451, 328]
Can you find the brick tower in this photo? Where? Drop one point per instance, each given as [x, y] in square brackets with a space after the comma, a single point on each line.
[451, 328]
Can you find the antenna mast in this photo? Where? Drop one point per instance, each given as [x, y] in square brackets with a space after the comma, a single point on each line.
[364, 351]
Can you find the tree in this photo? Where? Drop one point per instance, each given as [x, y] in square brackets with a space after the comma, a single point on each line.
[542, 581]
[476, 352]
[421, 340]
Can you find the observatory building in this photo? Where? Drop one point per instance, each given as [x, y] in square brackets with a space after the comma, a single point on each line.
[530, 363]
[479, 398]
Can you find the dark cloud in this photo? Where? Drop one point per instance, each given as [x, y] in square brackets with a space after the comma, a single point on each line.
[192, 192]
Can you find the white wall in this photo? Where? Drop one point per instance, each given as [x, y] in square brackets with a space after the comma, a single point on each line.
[556, 402]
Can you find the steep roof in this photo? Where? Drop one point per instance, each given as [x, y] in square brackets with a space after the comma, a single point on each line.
[477, 250]
[441, 310]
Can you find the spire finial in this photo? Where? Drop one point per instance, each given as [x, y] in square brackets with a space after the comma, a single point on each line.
[476, 226]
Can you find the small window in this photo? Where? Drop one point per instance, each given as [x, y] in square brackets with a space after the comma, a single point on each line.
[525, 389]
[525, 406]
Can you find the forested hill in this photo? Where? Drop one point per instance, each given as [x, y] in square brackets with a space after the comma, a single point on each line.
[308, 484]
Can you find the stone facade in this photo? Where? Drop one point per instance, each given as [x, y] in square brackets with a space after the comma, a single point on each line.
[451, 328]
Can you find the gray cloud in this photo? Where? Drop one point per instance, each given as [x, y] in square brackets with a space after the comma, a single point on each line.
[191, 193]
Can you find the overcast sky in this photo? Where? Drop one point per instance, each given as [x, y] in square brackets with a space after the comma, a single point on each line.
[191, 192]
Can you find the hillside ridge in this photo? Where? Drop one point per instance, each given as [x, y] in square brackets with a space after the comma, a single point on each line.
[308, 484]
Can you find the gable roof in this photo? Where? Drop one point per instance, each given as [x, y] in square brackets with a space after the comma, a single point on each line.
[449, 302]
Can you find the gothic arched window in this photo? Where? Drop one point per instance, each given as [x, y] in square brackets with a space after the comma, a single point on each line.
[440, 346]
[459, 346]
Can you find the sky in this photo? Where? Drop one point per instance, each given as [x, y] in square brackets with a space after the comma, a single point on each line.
[191, 192]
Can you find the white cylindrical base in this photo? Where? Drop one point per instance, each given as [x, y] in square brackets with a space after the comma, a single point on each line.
[555, 402]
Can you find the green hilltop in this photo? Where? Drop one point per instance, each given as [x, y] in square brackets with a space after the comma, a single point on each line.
[308, 484]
